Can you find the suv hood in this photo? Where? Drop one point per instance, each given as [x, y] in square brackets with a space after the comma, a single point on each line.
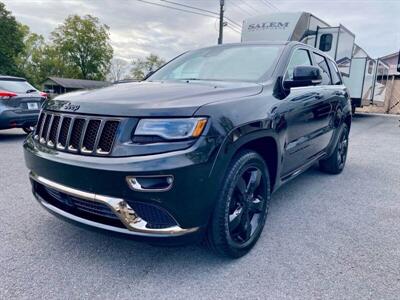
[141, 99]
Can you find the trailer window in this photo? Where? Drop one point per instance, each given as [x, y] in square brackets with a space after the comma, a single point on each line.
[336, 79]
[300, 57]
[370, 67]
[325, 42]
[323, 65]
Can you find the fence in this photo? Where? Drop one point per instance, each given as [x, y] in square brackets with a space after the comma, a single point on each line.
[392, 99]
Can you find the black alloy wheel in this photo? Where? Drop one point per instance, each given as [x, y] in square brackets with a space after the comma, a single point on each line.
[335, 163]
[242, 206]
[343, 145]
[247, 205]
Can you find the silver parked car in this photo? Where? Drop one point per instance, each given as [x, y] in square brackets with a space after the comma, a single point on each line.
[20, 103]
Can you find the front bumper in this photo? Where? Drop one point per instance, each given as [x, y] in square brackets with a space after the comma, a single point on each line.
[18, 119]
[103, 180]
[133, 223]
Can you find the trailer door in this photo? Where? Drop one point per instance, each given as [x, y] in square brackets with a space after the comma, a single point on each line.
[338, 43]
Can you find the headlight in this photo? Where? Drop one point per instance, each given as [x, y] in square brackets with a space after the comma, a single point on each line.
[171, 129]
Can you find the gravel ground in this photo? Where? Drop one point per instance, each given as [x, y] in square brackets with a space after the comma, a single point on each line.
[326, 237]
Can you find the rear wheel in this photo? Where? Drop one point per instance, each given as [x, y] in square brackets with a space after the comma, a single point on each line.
[28, 130]
[335, 163]
[242, 207]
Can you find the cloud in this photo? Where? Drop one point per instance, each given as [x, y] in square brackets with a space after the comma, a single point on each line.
[138, 29]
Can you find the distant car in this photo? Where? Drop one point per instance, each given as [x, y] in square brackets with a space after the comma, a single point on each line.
[20, 103]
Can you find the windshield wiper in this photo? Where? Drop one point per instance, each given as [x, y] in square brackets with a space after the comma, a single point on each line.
[30, 91]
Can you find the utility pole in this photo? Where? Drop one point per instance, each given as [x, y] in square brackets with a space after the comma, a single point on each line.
[221, 21]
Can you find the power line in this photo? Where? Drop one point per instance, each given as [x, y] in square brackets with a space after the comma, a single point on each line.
[248, 5]
[193, 12]
[233, 29]
[189, 6]
[236, 9]
[240, 7]
[270, 4]
[175, 8]
[201, 9]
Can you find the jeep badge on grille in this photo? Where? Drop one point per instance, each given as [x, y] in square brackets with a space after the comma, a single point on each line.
[71, 107]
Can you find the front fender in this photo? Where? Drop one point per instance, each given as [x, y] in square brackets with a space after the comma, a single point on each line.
[237, 139]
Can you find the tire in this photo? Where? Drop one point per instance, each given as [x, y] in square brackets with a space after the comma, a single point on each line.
[28, 130]
[242, 206]
[335, 163]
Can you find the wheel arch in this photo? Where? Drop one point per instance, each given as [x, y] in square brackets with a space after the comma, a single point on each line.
[263, 142]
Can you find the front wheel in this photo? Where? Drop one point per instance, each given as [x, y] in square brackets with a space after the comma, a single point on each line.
[335, 163]
[242, 206]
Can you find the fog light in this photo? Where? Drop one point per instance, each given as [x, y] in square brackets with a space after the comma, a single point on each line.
[155, 183]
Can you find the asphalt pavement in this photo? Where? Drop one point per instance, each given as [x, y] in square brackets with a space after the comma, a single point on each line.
[326, 237]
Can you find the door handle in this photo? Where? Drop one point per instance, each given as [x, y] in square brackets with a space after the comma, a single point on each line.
[337, 93]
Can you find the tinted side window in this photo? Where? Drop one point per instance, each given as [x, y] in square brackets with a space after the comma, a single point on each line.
[336, 80]
[300, 57]
[325, 42]
[323, 65]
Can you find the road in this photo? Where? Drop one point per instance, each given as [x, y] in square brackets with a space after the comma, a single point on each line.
[326, 237]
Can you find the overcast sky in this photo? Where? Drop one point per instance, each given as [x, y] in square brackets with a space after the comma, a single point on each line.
[138, 29]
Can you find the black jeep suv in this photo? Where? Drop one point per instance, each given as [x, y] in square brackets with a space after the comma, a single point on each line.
[196, 149]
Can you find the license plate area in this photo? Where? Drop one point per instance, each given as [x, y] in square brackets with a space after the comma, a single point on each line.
[33, 105]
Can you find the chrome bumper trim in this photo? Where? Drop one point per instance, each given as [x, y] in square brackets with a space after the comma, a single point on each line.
[134, 224]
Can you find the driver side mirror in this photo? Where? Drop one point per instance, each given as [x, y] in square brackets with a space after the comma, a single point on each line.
[304, 76]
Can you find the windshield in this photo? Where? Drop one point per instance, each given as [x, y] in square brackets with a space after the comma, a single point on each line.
[16, 86]
[225, 63]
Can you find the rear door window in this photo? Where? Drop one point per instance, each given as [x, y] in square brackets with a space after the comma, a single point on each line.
[323, 65]
[336, 79]
[300, 57]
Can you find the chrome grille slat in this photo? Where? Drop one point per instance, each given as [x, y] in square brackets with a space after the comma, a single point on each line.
[45, 129]
[59, 129]
[49, 129]
[83, 133]
[71, 125]
[52, 139]
[63, 137]
[88, 143]
[42, 125]
[96, 143]
[39, 126]
[77, 133]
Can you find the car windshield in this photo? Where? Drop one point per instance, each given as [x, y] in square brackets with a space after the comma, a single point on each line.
[224, 63]
[16, 86]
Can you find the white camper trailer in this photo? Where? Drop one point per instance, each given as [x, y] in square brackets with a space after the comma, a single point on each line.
[359, 71]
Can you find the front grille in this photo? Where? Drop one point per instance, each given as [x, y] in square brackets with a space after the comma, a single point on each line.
[77, 134]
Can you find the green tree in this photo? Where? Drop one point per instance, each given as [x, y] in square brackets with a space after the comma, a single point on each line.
[11, 42]
[83, 43]
[32, 42]
[141, 67]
